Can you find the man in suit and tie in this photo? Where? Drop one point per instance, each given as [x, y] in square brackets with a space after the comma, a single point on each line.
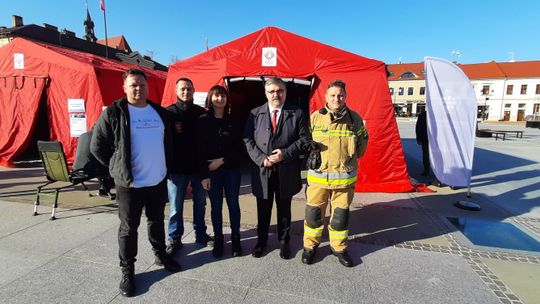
[275, 135]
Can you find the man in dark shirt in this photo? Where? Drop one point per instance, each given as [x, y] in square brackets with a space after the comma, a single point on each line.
[184, 116]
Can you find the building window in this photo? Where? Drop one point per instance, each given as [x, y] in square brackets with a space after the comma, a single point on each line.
[521, 105]
[422, 90]
[538, 89]
[485, 90]
[391, 91]
[408, 75]
[410, 91]
[536, 108]
[507, 105]
[400, 91]
[510, 89]
[523, 89]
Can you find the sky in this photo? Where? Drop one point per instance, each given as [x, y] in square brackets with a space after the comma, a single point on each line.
[390, 31]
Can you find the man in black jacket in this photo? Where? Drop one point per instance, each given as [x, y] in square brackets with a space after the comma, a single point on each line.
[184, 115]
[275, 137]
[133, 138]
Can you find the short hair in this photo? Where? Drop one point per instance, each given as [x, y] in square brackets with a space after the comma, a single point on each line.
[217, 89]
[131, 72]
[338, 84]
[275, 80]
[186, 80]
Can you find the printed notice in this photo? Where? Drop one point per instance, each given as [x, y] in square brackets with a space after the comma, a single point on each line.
[199, 98]
[76, 106]
[77, 124]
[269, 57]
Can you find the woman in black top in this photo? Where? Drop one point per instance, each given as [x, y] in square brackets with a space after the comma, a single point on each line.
[220, 148]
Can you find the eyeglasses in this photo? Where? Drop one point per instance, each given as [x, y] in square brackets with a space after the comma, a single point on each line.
[279, 92]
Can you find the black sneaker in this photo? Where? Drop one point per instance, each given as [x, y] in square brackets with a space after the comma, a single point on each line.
[127, 284]
[167, 262]
[174, 246]
[204, 239]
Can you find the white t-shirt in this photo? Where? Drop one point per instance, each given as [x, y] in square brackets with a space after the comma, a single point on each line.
[148, 165]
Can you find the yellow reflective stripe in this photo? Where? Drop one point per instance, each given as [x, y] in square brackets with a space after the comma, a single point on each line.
[338, 234]
[328, 181]
[314, 232]
[333, 133]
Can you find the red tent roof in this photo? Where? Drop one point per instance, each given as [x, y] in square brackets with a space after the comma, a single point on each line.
[30, 71]
[383, 167]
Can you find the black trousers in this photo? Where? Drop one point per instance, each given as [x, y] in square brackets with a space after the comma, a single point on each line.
[131, 202]
[264, 212]
[425, 156]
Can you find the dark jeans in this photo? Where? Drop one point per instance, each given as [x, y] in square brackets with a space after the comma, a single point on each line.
[264, 213]
[177, 185]
[228, 181]
[131, 202]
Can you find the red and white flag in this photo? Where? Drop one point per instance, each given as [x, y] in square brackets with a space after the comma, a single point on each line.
[102, 5]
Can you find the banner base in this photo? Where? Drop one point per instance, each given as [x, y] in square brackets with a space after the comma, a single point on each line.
[466, 205]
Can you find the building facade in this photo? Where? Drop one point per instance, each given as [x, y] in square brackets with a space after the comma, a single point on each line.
[504, 90]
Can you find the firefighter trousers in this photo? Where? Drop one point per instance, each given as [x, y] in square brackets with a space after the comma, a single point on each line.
[338, 229]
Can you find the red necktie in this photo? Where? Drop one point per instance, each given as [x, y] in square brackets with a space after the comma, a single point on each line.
[274, 120]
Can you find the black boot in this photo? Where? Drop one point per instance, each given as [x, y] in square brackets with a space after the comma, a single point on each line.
[127, 284]
[236, 247]
[217, 252]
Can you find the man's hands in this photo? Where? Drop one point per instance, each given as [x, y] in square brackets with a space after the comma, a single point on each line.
[273, 158]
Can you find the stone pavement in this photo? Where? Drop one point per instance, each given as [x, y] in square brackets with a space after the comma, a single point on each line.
[404, 246]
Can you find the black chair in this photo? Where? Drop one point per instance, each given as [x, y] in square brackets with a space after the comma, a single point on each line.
[57, 170]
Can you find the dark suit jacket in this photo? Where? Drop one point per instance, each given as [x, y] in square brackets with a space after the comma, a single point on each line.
[291, 136]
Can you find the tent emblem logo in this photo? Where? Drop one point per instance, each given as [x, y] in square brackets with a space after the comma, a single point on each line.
[269, 56]
[18, 61]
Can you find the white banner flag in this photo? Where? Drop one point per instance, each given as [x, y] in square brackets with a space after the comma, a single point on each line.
[451, 120]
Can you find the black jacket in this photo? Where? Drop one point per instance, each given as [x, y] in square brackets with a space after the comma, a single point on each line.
[219, 137]
[111, 143]
[291, 137]
[421, 128]
[184, 117]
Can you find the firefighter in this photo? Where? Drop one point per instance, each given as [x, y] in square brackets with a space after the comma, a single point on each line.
[341, 138]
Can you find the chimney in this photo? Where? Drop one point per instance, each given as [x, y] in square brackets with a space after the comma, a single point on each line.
[50, 27]
[17, 21]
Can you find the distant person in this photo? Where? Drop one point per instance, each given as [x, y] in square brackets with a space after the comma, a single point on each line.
[342, 139]
[422, 139]
[220, 150]
[275, 135]
[133, 138]
[87, 163]
[185, 169]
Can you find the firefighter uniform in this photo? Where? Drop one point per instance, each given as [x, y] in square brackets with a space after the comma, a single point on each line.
[342, 138]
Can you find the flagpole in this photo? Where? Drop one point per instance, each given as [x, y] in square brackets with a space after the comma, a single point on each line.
[105, 22]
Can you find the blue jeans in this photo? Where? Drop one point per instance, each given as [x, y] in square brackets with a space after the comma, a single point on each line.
[227, 180]
[177, 186]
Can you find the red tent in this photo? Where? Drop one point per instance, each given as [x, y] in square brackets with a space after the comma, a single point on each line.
[38, 79]
[272, 51]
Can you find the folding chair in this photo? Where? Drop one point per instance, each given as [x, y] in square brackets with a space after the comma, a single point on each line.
[57, 170]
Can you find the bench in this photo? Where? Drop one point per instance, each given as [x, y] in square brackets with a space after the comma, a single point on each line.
[497, 133]
[519, 134]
